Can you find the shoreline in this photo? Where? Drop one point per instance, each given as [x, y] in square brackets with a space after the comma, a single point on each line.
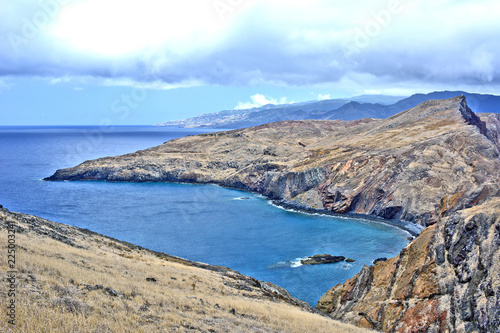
[413, 229]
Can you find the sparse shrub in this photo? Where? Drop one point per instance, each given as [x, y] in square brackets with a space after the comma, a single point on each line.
[70, 304]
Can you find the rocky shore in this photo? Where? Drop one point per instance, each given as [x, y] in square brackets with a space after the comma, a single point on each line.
[413, 229]
[399, 168]
[435, 166]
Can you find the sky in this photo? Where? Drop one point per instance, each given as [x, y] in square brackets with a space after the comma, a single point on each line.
[131, 62]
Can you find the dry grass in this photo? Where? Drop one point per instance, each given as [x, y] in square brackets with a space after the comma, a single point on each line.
[103, 287]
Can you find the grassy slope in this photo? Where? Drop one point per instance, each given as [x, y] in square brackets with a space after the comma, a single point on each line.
[72, 280]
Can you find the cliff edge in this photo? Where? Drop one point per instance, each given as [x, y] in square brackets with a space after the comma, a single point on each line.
[446, 280]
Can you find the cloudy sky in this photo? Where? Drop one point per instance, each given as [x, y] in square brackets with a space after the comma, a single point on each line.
[148, 61]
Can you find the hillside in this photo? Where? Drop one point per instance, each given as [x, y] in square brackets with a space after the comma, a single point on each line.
[344, 109]
[435, 165]
[73, 280]
[400, 168]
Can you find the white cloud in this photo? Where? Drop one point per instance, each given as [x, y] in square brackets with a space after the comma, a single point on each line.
[322, 97]
[258, 100]
[290, 43]
[155, 84]
[116, 28]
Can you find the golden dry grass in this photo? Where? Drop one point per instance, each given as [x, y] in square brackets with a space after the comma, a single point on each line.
[99, 285]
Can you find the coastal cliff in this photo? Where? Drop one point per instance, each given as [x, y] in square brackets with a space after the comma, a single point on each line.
[446, 280]
[415, 166]
[435, 165]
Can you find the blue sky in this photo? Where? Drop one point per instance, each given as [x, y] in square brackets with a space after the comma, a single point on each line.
[143, 62]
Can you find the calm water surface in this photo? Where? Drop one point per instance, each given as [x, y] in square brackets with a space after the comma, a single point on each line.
[198, 222]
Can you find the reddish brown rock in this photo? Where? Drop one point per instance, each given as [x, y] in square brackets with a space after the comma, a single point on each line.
[383, 293]
[423, 317]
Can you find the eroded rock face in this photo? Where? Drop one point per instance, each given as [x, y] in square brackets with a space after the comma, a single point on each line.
[389, 289]
[431, 164]
[447, 279]
[435, 165]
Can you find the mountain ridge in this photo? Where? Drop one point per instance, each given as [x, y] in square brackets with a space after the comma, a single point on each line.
[364, 106]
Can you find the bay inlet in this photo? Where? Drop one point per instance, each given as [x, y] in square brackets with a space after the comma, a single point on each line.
[198, 222]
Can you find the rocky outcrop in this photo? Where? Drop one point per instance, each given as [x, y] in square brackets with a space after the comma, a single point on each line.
[389, 289]
[435, 165]
[319, 259]
[446, 280]
[432, 164]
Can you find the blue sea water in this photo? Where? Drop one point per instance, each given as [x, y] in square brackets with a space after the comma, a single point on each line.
[199, 222]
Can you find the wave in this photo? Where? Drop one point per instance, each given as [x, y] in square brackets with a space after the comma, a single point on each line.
[286, 264]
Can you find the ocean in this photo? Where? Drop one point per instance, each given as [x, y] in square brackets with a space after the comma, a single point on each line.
[206, 223]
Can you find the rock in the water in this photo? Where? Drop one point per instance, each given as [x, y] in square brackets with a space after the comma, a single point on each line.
[350, 260]
[322, 259]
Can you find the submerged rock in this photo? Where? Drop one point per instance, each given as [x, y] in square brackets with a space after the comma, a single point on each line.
[322, 259]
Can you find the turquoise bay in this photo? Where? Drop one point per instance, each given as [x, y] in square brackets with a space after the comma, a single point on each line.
[205, 223]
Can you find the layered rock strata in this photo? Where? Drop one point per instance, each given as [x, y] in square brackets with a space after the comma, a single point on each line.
[435, 165]
[446, 280]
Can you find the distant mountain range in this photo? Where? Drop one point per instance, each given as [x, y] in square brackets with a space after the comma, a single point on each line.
[365, 106]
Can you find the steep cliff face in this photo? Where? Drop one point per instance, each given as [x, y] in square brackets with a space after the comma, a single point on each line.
[418, 165]
[447, 279]
[435, 165]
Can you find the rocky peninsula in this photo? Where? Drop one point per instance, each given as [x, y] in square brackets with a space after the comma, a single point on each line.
[435, 165]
